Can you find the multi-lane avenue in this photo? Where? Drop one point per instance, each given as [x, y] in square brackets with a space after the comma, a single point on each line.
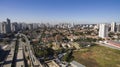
[34, 61]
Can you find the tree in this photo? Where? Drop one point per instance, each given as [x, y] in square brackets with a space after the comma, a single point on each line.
[68, 56]
[118, 34]
[111, 34]
[50, 51]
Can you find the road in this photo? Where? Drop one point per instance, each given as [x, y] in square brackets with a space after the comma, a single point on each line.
[110, 46]
[20, 58]
[33, 59]
[5, 52]
[15, 57]
[8, 60]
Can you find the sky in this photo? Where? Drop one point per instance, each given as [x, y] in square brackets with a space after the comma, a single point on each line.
[56, 11]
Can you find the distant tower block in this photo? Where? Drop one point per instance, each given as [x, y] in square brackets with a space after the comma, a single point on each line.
[113, 27]
[103, 30]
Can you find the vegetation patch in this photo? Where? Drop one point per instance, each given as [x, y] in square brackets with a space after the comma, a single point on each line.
[98, 56]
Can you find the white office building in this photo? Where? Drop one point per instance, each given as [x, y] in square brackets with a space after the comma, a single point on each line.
[118, 28]
[103, 30]
[3, 27]
[113, 27]
[14, 27]
[0, 27]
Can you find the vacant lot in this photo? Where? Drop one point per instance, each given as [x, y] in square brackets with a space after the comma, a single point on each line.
[98, 56]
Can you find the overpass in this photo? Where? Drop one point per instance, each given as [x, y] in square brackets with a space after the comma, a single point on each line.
[33, 60]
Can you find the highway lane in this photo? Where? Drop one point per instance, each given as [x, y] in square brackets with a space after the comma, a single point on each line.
[33, 59]
[20, 58]
[106, 45]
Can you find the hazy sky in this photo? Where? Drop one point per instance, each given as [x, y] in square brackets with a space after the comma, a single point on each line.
[79, 11]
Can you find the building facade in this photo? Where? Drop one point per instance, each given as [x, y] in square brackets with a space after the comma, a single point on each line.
[103, 30]
[8, 26]
[118, 28]
[3, 27]
[113, 27]
[14, 27]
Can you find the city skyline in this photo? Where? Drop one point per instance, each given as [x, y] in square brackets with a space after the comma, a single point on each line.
[77, 11]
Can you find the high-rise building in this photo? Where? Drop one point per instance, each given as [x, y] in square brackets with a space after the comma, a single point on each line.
[14, 27]
[3, 27]
[22, 26]
[118, 28]
[8, 29]
[35, 26]
[0, 27]
[103, 30]
[113, 27]
[30, 26]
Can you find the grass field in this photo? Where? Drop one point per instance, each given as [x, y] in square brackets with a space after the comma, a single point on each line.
[98, 56]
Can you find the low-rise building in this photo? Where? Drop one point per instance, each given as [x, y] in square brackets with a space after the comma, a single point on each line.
[52, 63]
